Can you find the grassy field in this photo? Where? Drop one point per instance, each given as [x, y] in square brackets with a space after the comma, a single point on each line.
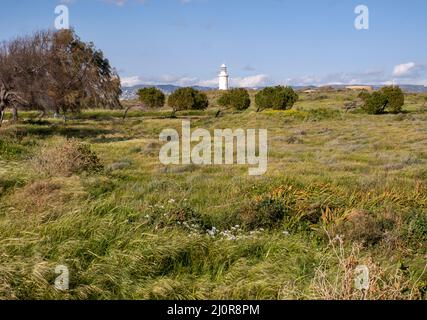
[342, 190]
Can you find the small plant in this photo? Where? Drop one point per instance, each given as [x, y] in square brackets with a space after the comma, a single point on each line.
[415, 230]
[279, 98]
[263, 212]
[9, 150]
[71, 157]
[175, 215]
[152, 97]
[188, 99]
[236, 98]
[364, 227]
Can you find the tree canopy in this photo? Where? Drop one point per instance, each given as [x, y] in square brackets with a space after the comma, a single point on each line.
[238, 99]
[152, 97]
[56, 71]
[390, 98]
[279, 97]
[187, 99]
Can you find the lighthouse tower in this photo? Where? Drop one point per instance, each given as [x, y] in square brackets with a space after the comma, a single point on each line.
[223, 78]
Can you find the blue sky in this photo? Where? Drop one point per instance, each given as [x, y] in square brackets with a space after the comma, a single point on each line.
[299, 42]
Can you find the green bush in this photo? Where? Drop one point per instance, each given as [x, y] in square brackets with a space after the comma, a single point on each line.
[236, 98]
[279, 98]
[374, 103]
[395, 98]
[152, 97]
[188, 99]
[389, 99]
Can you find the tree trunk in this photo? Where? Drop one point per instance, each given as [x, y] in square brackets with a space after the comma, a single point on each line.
[126, 112]
[131, 107]
[1, 116]
[15, 114]
[173, 115]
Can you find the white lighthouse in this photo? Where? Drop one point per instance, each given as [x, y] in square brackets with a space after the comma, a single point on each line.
[223, 78]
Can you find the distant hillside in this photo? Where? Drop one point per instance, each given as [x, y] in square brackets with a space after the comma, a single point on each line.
[405, 87]
[131, 92]
[413, 88]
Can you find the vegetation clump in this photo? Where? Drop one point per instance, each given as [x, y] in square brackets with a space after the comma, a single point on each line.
[188, 99]
[263, 212]
[279, 98]
[71, 157]
[365, 227]
[152, 97]
[238, 99]
[389, 99]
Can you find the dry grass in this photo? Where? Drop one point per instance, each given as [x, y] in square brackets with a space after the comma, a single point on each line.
[142, 230]
[335, 277]
[65, 159]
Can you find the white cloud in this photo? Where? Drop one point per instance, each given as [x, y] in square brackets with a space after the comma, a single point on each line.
[343, 78]
[258, 80]
[164, 79]
[405, 69]
[184, 81]
[131, 81]
[209, 83]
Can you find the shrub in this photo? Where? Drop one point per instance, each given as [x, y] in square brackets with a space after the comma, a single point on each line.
[389, 99]
[188, 99]
[280, 98]
[71, 157]
[236, 98]
[152, 97]
[374, 103]
[395, 98]
[265, 212]
[365, 227]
